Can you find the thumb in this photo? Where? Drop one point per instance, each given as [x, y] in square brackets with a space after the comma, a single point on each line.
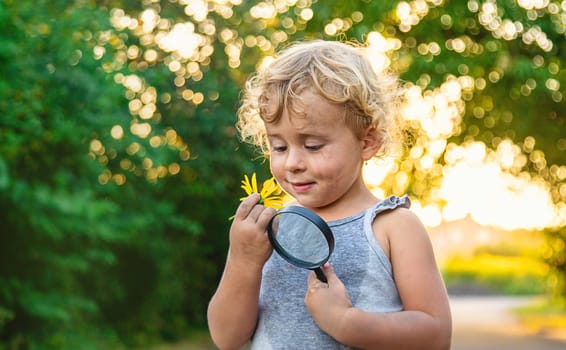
[329, 272]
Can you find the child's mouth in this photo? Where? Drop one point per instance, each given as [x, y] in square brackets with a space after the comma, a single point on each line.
[302, 187]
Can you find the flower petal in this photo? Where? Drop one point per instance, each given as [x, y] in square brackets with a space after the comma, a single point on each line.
[246, 186]
[273, 202]
[254, 183]
[269, 186]
[271, 194]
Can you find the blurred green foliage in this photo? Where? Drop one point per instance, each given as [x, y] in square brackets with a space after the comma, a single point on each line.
[81, 261]
[496, 274]
[513, 265]
[119, 163]
[555, 257]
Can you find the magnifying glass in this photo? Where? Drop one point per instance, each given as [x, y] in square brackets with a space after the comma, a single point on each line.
[302, 238]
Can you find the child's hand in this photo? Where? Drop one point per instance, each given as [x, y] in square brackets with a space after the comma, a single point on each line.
[248, 239]
[327, 302]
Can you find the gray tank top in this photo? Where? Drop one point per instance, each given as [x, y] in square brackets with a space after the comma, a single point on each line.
[358, 260]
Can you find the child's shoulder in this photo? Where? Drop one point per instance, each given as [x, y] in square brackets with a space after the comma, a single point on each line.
[399, 218]
[398, 223]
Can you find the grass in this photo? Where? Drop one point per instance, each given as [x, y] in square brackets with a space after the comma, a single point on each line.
[547, 317]
[196, 340]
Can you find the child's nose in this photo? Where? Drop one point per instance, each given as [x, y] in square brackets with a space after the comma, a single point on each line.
[295, 160]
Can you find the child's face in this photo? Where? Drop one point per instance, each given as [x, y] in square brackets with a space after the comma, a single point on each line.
[315, 156]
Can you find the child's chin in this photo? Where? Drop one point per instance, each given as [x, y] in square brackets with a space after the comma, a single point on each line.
[309, 203]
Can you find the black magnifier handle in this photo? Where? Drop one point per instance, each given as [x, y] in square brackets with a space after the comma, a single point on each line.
[320, 275]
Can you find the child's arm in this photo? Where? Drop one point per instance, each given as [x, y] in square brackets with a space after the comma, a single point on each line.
[232, 311]
[425, 322]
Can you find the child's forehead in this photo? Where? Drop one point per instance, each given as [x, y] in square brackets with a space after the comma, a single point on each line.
[307, 103]
[309, 112]
[297, 126]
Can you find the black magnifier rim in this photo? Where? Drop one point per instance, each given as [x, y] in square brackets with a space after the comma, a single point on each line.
[317, 221]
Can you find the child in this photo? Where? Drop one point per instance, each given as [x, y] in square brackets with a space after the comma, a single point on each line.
[319, 112]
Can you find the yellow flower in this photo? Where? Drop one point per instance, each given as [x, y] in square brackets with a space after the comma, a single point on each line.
[271, 194]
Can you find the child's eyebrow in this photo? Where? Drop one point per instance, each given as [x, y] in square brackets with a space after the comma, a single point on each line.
[315, 134]
[301, 136]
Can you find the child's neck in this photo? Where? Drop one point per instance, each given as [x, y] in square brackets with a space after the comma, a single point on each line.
[348, 205]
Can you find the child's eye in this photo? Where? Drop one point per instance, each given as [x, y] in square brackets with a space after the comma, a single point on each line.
[313, 147]
[278, 148]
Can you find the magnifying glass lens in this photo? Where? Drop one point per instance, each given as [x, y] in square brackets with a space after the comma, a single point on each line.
[300, 238]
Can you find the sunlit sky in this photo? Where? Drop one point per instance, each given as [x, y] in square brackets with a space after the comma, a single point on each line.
[477, 186]
[488, 185]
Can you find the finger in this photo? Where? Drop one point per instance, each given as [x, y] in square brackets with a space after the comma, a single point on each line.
[266, 215]
[246, 206]
[256, 212]
[314, 284]
[329, 273]
[312, 278]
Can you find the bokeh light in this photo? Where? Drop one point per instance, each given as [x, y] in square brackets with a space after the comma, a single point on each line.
[488, 183]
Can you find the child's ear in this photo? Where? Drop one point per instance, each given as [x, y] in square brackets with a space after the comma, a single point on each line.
[371, 143]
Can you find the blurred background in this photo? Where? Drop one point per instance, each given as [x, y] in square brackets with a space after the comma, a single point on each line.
[120, 164]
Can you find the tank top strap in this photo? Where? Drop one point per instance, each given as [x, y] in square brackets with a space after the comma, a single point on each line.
[390, 203]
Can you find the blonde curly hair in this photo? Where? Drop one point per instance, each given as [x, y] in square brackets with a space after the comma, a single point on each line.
[338, 71]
